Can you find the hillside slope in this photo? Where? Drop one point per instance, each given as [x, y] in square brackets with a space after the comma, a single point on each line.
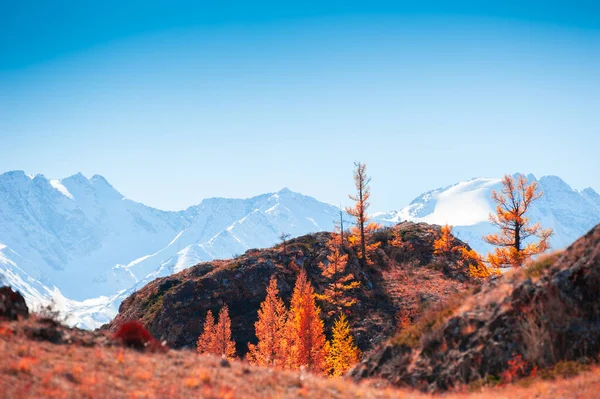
[546, 313]
[173, 308]
[80, 243]
[41, 358]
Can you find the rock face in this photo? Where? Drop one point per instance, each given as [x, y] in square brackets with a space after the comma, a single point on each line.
[12, 304]
[173, 308]
[546, 313]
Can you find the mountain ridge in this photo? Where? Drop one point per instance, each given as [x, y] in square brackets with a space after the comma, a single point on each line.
[82, 244]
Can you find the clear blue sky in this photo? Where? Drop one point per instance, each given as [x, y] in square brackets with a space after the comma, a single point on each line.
[177, 101]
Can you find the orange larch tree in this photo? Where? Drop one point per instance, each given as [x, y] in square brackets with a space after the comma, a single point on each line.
[342, 353]
[304, 332]
[269, 351]
[512, 205]
[337, 294]
[205, 343]
[477, 268]
[443, 245]
[361, 231]
[224, 346]
[216, 338]
[465, 257]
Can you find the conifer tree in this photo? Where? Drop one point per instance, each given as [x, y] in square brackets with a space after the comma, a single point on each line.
[206, 340]
[337, 293]
[362, 230]
[443, 245]
[342, 353]
[477, 268]
[216, 337]
[467, 258]
[270, 350]
[224, 346]
[512, 205]
[304, 332]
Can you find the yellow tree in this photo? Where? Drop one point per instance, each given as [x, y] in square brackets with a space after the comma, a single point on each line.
[361, 231]
[342, 353]
[512, 205]
[269, 351]
[206, 340]
[337, 293]
[304, 332]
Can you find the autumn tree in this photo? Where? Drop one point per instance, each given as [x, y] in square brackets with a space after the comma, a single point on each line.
[224, 346]
[342, 353]
[443, 245]
[337, 294]
[477, 267]
[304, 331]
[512, 204]
[216, 338]
[363, 229]
[465, 257]
[205, 343]
[270, 350]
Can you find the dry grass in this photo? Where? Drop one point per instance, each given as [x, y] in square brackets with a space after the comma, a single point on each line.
[35, 369]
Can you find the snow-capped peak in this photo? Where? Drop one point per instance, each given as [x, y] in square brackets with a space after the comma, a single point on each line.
[467, 206]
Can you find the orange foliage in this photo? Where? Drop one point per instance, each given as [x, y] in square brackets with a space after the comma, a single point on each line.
[360, 232]
[342, 354]
[403, 320]
[206, 339]
[443, 245]
[512, 205]
[516, 368]
[216, 338]
[336, 292]
[355, 240]
[269, 350]
[477, 268]
[304, 332]
[398, 242]
[467, 257]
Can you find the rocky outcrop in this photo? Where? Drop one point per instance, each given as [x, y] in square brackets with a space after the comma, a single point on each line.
[12, 304]
[546, 313]
[173, 308]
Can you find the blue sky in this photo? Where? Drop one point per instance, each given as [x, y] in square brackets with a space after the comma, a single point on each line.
[177, 101]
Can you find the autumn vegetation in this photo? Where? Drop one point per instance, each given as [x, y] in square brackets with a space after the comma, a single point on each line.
[362, 229]
[512, 205]
[216, 337]
[294, 338]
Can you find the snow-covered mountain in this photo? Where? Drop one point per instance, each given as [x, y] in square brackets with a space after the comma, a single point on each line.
[467, 206]
[81, 244]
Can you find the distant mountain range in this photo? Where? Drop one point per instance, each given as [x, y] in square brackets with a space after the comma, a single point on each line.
[80, 243]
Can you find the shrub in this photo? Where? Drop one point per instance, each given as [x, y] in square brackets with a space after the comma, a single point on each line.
[564, 369]
[134, 335]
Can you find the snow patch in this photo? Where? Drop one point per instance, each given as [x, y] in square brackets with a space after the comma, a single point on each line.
[62, 189]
